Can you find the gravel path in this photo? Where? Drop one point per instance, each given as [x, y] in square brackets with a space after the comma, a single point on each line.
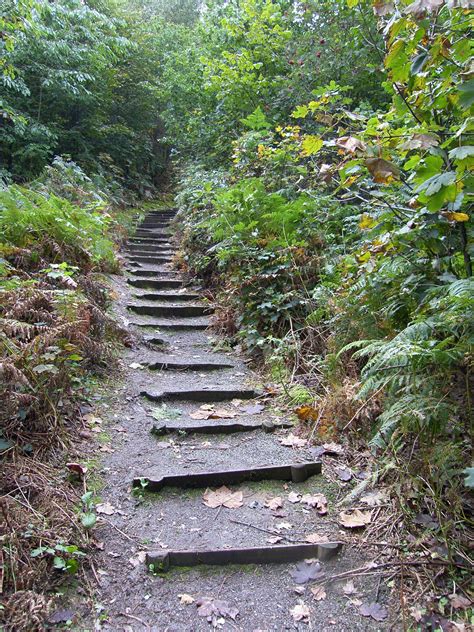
[160, 374]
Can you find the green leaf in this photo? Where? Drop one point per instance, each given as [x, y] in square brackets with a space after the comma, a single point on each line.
[352, 3]
[418, 63]
[434, 184]
[88, 520]
[300, 112]
[311, 144]
[257, 120]
[59, 562]
[466, 98]
[459, 153]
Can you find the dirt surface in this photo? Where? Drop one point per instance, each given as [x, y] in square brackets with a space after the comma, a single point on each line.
[131, 598]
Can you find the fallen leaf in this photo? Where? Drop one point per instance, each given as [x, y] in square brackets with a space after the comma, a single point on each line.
[318, 593]
[355, 602]
[274, 539]
[92, 419]
[284, 526]
[212, 609]
[77, 468]
[373, 610]
[316, 538]
[207, 407]
[307, 413]
[355, 519]
[318, 501]
[185, 599]
[300, 612]
[293, 441]
[307, 572]
[344, 474]
[105, 508]
[136, 365]
[459, 602]
[426, 520]
[349, 588]
[106, 449]
[61, 616]
[274, 503]
[138, 559]
[294, 497]
[374, 499]
[223, 497]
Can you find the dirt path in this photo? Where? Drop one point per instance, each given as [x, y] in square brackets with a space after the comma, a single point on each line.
[172, 377]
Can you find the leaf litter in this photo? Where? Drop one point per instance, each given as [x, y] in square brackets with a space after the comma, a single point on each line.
[355, 519]
[307, 572]
[223, 497]
[216, 610]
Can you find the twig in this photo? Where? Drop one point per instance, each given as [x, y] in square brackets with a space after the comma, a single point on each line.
[132, 616]
[119, 530]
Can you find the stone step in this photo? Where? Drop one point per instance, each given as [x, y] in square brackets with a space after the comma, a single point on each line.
[151, 260]
[294, 472]
[163, 560]
[181, 311]
[214, 395]
[153, 248]
[177, 365]
[156, 284]
[160, 241]
[219, 428]
[176, 325]
[152, 276]
[167, 297]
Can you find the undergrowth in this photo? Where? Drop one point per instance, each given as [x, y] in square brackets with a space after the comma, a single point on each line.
[55, 332]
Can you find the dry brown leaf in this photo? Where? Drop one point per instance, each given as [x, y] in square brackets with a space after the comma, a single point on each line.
[373, 499]
[300, 612]
[382, 170]
[223, 497]
[293, 441]
[274, 503]
[284, 526]
[349, 588]
[186, 599]
[294, 497]
[105, 508]
[318, 501]
[351, 144]
[138, 559]
[355, 519]
[316, 538]
[307, 413]
[274, 539]
[318, 593]
[460, 602]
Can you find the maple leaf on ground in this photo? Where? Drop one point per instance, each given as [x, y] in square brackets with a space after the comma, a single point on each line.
[274, 503]
[300, 612]
[223, 497]
[349, 588]
[186, 599]
[373, 499]
[293, 441]
[355, 519]
[373, 610]
[344, 474]
[316, 538]
[318, 593]
[212, 609]
[318, 501]
[294, 497]
[307, 572]
[105, 508]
